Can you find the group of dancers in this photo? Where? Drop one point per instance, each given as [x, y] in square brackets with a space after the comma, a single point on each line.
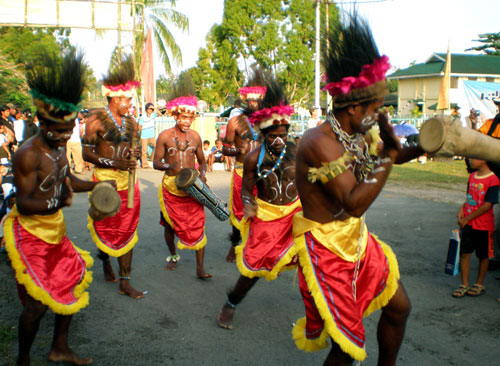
[337, 170]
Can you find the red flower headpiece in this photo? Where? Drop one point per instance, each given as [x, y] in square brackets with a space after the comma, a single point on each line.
[369, 75]
[182, 104]
[121, 90]
[253, 92]
[268, 117]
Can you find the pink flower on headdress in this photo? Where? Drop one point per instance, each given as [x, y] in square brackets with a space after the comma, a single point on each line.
[256, 117]
[132, 84]
[261, 90]
[190, 101]
[369, 75]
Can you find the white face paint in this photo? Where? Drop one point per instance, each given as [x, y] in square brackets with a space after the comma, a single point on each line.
[277, 142]
[123, 105]
[368, 121]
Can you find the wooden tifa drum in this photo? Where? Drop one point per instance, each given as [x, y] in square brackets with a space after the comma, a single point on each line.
[104, 201]
[189, 181]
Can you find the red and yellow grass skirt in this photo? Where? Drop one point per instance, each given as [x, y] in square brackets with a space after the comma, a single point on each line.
[182, 213]
[327, 259]
[52, 270]
[235, 202]
[117, 235]
[267, 241]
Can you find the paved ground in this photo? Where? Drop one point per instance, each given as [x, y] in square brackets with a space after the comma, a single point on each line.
[175, 323]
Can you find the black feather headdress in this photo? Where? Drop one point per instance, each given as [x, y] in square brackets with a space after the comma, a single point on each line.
[120, 80]
[57, 86]
[182, 96]
[355, 72]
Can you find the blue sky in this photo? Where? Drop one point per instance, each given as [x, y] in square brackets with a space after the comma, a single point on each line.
[405, 30]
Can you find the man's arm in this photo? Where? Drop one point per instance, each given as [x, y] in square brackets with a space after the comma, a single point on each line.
[353, 197]
[227, 148]
[89, 153]
[202, 164]
[249, 180]
[158, 163]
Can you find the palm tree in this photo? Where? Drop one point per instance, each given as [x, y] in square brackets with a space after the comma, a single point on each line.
[159, 15]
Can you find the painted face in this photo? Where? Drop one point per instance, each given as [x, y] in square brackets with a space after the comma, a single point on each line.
[276, 139]
[184, 120]
[366, 116]
[57, 134]
[123, 105]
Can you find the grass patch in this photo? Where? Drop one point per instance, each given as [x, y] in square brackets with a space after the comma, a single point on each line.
[441, 174]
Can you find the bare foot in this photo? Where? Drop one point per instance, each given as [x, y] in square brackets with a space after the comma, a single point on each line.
[202, 275]
[68, 356]
[231, 255]
[225, 318]
[109, 274]
[126, 289]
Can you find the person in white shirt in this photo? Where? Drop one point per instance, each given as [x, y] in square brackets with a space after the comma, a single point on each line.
[74, 146]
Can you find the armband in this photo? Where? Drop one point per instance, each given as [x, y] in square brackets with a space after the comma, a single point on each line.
[330, 170]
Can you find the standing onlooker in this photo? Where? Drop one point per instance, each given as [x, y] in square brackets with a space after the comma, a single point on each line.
[314, 121]
[4, 146]
[30, 128]
[147, 128]
[476, 219]
[472, 119]
[207, 152]
[18, 126]
[74, 146]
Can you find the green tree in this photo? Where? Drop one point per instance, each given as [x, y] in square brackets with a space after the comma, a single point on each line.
[490, 44]
[278, 35]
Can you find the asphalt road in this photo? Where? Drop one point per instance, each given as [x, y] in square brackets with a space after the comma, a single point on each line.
[175, 324]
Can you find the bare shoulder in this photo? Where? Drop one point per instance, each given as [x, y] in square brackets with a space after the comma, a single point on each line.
[165, 134]
[318, 145]
[27, 158]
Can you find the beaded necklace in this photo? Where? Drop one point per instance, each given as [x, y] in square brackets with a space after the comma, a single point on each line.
[261, 158]
[351, 143]
[121, 128]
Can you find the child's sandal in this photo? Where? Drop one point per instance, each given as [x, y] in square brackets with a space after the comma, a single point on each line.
[460, 291]
[476, 290]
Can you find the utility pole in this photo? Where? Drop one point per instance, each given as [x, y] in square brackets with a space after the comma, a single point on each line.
[317, 77]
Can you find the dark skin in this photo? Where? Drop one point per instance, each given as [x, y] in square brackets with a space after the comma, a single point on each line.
[278, 188]
[44, 185]
[105, 153]
[177, 148]
[238, 133]
[343, 197]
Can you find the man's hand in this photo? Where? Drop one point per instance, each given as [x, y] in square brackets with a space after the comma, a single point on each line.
[112, 182]
[136, 152]
[250, 208]
[391, 142]
[67, 193]
[125, 164]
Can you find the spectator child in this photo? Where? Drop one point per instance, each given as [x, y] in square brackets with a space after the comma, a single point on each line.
[475, 217]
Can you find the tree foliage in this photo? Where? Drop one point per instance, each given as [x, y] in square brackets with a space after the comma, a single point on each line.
[278, 35]
[21, 46]
[490, 44]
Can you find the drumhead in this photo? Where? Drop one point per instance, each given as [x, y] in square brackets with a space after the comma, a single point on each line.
[432, 135]
[186, 177]
[104, 198]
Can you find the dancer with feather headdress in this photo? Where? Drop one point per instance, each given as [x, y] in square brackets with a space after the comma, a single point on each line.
[267, 247]
[51, 271]
[345, 272]
[178, 148]
[109, 135]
